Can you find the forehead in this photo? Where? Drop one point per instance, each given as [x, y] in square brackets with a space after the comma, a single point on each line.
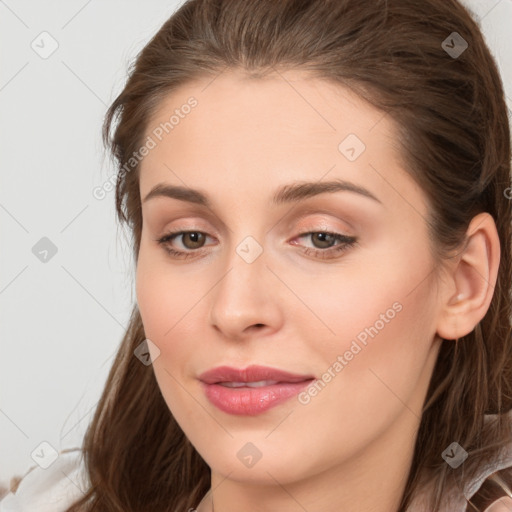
[264, 131]
[292, 103]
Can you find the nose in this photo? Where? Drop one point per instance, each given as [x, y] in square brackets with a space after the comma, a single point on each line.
[247, 298]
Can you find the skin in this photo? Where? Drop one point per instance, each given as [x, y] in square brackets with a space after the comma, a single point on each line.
[293, 311]
[501, 505]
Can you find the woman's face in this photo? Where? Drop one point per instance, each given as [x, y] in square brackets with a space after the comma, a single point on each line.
[329, 283]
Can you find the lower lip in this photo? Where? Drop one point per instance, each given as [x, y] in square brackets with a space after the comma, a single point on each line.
[252, 401]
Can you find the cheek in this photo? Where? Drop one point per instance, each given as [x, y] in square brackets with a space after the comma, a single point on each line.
[165, 295]
[166, 302]
[372, 313]
[382, 293]
[169, 302]
[380, 354]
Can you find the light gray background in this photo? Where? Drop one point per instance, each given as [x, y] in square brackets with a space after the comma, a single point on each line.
[62, 320]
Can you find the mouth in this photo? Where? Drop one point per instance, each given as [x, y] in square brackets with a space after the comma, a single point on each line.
[257, 384]
[252, 390]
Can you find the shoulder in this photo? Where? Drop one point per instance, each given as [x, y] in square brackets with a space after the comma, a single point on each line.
[494, 483]
[49, 490]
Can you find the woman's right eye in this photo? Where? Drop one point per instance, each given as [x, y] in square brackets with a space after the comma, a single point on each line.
[194, 238]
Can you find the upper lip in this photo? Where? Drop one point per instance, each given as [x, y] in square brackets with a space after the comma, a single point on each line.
[252, 373]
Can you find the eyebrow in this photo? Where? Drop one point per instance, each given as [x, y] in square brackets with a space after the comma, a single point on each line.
[286, 194]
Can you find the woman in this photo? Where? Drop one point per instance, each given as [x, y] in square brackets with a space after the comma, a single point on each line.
[318, 196]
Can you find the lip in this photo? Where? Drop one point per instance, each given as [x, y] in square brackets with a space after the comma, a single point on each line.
[250, 401]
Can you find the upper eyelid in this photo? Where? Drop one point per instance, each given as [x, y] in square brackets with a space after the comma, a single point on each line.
[321, 229]
[304, 212]
[321, 225]
[180, 232]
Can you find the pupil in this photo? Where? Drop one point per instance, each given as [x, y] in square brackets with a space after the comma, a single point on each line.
[325, 239]
[194, 237]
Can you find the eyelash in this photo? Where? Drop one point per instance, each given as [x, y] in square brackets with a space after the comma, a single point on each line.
[346, 243]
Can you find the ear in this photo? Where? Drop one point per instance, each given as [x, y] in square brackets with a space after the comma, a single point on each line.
[469, 287]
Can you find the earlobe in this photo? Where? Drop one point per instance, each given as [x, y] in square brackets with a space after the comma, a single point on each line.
[469, 288]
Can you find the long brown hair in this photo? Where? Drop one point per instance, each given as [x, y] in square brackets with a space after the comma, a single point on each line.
[454, 136]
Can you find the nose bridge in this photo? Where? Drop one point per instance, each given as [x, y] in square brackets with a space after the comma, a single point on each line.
[243, 297]
[245, 266]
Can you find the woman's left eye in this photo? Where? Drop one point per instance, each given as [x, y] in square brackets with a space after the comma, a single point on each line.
[327, 240]
[193, 241]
